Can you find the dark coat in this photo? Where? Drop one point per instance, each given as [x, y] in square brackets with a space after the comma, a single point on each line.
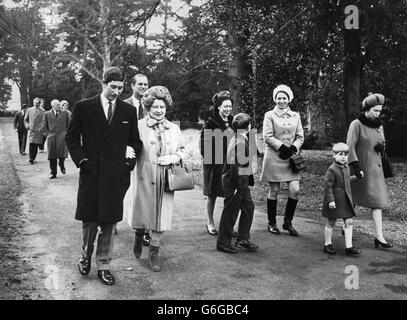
[102, 189]
[55, 130]
[19, 121]
[238, 168]
[337, 188]
[212, 169]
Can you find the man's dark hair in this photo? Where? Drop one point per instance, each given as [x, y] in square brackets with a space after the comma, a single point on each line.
[133, 80]
[241, 121]
[24, 106]
[113, 74]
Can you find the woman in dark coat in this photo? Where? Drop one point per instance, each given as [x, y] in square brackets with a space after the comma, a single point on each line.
[215, 136]
[366, 143]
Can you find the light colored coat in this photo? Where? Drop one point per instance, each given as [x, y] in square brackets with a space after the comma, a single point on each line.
[142, 196]
[55, 130]
[280, 127]
[33, 122]
[371, 191]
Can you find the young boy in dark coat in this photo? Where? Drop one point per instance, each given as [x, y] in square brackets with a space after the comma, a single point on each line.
[236, 178]
[338, 202]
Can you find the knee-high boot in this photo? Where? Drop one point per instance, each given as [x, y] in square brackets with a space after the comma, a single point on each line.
[153, 258]
[138, 243]
[271, 211]
[289, 215]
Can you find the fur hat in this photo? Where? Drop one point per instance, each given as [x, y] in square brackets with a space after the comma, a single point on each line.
[340, 147]
[221, 96]
[285, 89]
[373, 99]
[156, 92]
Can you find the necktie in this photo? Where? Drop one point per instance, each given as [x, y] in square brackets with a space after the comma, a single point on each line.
[140, 112]
[110, 112]
[56, 114]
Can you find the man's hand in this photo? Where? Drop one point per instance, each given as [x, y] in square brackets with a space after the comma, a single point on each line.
[130, 152]
[332, 205]
[166, 160]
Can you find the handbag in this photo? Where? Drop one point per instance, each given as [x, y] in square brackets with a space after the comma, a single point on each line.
[178, 177]
[387, 167]
[297, 163]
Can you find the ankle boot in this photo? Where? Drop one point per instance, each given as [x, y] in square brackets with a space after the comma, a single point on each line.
[138, 245]
[289, 215]
[153, 258]
[271, 211]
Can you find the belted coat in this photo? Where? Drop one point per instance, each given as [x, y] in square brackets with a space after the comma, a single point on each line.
[90, 136]
[33, 120]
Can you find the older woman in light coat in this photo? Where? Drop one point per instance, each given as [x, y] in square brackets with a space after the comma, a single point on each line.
[151, 206]
[283, 136]
[366, 143]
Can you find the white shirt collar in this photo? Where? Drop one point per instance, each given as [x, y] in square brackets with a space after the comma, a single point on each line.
[105, 104]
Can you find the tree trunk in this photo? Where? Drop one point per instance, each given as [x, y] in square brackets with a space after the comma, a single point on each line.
[351, 74]
[104, 14]
[240, 70]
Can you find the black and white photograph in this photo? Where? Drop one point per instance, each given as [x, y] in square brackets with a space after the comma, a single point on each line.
[203, 157]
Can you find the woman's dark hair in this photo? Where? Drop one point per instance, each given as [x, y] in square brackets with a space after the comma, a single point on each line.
[221, 96]
[113, 74]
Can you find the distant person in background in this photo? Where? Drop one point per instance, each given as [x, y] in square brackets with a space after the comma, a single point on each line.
[65, 107]
[33, 121]
[366, 143]
[220, 119]
[139, 85]
[20, 128]
[56, 122]
[42, 107]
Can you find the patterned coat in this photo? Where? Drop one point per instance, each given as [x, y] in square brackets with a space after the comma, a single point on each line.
[280, 127]
[142, 195]
[337, 188]
[371, 191]
[33, 120]
[55, 130]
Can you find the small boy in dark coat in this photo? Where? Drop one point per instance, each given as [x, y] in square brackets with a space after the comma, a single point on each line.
[236, 178]
[338, 202]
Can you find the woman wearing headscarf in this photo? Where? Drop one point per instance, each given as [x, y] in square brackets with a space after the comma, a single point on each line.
[214, 139]
[366, 143]
[151, 207]
[283, 136]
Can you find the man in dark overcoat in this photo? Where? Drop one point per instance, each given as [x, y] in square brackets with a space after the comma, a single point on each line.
[56, 122]
[20, 128]
[102, 139]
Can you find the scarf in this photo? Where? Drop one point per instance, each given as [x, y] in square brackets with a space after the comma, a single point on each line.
[369, 123]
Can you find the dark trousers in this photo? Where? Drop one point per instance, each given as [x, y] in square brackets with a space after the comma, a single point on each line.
[41, 146]
[236, 200]
[22, 140]
[33, 150]
[104, 247]
[53, 165]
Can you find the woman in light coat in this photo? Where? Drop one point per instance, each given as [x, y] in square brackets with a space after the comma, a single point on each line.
[283, 136]
[366, 143]
[151, 206]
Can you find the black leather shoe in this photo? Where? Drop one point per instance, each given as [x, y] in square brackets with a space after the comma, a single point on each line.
[84, 266]
[52, 176]
[63, 170]
[290, 230]
[234, 234]
[329, 249]
[378, 243]
[106, 277]
[31, 161]
[273, 228]
[228, 249]
[352, 251]
[247, 245]
[146, 239]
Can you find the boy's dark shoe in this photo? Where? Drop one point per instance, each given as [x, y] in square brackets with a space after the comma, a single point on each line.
[106, 277]
[84, 266]
[146, 239]
[329, 249]
[228, 249]
[247, 245]
[352, 251]
[273, 228]
[290, 229]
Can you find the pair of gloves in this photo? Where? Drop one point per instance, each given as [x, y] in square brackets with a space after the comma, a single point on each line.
[163, 160]
[287, 152]
[379, 147]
